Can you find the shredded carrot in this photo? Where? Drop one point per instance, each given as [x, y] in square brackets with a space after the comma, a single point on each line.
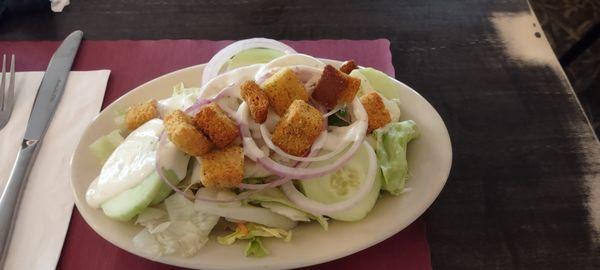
[242, 228]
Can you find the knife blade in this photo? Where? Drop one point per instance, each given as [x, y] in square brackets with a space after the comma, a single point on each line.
[47, 98]
[52, 86]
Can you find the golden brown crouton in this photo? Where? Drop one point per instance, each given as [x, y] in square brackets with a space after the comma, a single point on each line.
[257, 101]
[282, 89]
[216, 124]
[348, 66]
[378, 113]
[298, 129]
[182, 132]
[223, 168]
[139, 114]
[335, 87]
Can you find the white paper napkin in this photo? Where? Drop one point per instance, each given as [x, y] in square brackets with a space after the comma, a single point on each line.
[47, 201]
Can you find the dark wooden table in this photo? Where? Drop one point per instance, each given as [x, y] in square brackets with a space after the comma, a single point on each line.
[524, 192]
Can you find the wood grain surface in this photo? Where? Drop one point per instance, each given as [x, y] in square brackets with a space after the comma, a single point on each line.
[524, 188]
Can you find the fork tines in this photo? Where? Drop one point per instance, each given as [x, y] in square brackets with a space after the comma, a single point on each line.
[7, 99]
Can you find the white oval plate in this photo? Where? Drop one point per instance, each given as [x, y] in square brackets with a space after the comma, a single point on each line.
[429, 159]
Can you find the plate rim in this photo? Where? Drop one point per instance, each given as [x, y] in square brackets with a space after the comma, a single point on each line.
[319, 260]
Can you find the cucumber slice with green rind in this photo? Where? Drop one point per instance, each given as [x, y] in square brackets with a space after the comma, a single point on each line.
[340, 185]
[131, 202]
[380, 82]
[165, 190]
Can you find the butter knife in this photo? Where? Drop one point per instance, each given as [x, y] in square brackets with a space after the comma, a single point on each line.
[46, 100]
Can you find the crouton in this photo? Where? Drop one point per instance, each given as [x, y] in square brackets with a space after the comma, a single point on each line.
[216, 124]
[223, 168]
[139, 114]
[182, 132]
[335, 87]
[298, 129]
[348, 66]
[282, 89]
[257, 101]
[378, 114]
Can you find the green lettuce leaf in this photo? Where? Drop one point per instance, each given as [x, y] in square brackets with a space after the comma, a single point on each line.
[105, 145]
[255, 248]
[254, 180]
[253, 232]
[392, 141]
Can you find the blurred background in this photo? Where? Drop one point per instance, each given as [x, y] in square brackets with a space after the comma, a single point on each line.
[573, 29]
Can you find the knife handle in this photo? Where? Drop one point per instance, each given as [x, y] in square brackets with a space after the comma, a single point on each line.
[11, 196]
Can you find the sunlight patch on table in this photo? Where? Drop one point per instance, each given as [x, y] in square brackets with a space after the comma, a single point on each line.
[524, 39]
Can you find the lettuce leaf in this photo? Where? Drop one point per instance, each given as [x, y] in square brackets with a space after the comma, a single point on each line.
[255, 248]
[182, 98]
[392, 141]
[274, 195]
[253, 232]
[291, 213]
[105, 145]
[250, 230]
[151, 217]
[181, 229]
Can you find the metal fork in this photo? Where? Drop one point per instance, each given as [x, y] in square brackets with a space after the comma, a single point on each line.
[6, 103]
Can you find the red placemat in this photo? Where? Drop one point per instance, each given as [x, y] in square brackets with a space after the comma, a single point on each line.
[135, 62]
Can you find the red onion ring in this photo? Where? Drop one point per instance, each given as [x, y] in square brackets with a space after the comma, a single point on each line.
[160, 171]
[304, 173]
[266, 136]
[254, 153]
[212, 68]
[195, 108]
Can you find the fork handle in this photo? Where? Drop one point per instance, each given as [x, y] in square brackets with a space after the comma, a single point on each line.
[11, 196]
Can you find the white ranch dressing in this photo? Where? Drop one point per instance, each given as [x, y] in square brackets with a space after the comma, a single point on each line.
[133, 161]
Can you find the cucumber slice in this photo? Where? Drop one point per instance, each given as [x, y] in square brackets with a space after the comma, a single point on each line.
[253, 56]
[379, 81]
[165, 190]
[131, 202]
[340, 185]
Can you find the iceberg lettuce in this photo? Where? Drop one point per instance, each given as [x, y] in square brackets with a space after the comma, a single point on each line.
[392, 141]
[181, 229]
[105, 145]
[276, 201]
[253, 232]
[255, 248]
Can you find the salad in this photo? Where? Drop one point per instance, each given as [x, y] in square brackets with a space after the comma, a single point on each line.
[271, 140]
